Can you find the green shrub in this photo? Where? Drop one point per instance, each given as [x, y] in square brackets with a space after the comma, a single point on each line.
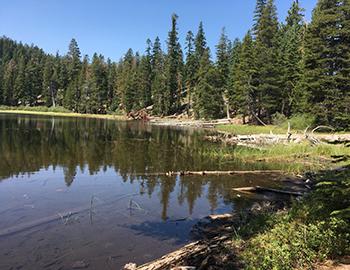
[314, 229]
[295, 245]
[299, 122]
[278, 119]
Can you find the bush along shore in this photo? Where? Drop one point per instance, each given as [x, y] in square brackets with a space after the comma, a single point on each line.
[301, 233]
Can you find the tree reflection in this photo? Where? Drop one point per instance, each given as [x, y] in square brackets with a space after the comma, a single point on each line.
[28, 144]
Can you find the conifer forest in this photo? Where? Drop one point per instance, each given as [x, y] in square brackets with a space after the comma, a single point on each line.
[277, 69]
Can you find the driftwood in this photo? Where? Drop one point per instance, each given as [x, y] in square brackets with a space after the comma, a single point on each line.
[264, 189]
[204, 173]
[180, 259]
[259, 140]
[139, 115]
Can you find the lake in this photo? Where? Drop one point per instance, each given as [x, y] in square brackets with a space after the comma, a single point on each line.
[76, 189]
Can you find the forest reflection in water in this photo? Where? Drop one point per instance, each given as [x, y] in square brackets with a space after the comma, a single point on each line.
[49, 165]
[133, 149]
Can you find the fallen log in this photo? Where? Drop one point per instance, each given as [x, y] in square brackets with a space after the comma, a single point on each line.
[265, 189]
[192, 253]
[204, 173]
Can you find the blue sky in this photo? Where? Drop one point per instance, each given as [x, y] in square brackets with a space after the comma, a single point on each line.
[111, 27]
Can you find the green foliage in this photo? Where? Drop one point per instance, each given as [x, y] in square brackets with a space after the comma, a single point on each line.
[297, 122]
[242, 74]
[326, 77]
[208, 97]
[300, 121]
[294, 245]
[174, 66]
[315, 229]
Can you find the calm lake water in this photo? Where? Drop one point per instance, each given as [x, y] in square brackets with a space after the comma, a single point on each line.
[86, 190]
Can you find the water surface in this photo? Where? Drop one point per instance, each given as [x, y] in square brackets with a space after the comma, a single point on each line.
[74, 189]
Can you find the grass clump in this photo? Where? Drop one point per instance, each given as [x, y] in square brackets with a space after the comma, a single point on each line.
[298, 123]
[295, 158]
[314, 229]
[251, 129]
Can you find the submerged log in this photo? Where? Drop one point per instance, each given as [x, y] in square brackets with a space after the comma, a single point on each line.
[265, 189]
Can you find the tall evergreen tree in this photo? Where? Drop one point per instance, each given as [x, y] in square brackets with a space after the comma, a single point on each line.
[20, 88]
[49, 82]
[158, 79]
[267, 96]
[209, 101]
[174, 69]
[259, 8]
[34, 77]
[146, 76]
[8, 84]
[84, 85]
[327, 63]
[234, 61]
[190, 69]
[200, 43]
[291, 53]
[223, 50]
[72, 94]
[99, 87]
[243, 75]
[127, 81]
[112, 96]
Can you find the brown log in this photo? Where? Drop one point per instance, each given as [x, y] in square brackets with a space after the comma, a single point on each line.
[180, 258]
[265, 189]
[204, 173]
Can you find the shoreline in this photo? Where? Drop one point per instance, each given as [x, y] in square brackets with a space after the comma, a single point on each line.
[68, 114]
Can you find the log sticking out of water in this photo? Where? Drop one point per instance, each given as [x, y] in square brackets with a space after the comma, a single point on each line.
[204, 173]
[179, 259]
[264, 189]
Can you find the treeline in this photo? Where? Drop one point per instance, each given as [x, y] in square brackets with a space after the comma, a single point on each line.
[277, 70]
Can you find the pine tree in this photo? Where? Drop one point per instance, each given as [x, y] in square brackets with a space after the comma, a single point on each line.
[62, 71]
[209, 101]
[234, 61]
[190, 70]
[20, 84]
[9, 79]
[174, 70]
[259, 8]
[72, 94]
[146, 76]
[267, 96]
[127, 82]
[223, 51]
[327, 63]
[243, 75]
[85, 85]
[34, 79]
[112, 96]
[49, 83]
[158, 79]
[200, 43]
[291, 53]
[99, 86]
